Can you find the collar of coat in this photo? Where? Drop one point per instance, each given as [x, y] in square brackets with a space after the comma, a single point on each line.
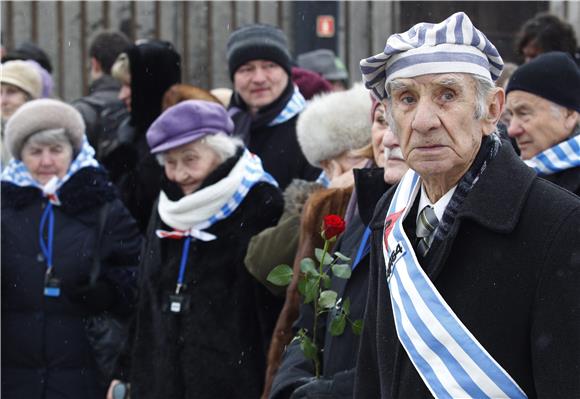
[87, 188]
[497, 199]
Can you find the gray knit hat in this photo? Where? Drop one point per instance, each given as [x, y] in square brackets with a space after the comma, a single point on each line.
[40, 115]
[258, 42]
[325, 62]
[334, 123]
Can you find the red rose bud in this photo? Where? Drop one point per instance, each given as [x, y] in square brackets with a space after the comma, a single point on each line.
[332, 226]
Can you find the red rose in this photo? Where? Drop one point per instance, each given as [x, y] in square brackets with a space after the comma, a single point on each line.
[332, 226]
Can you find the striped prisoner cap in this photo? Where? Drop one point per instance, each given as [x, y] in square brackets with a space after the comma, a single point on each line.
[454, 45]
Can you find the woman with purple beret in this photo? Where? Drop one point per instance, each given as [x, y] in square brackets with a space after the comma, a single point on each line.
[202, 319]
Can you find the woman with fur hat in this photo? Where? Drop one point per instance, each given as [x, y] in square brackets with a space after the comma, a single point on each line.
[198, 329]
[55, 200]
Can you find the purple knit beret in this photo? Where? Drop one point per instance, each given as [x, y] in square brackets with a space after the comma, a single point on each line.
[187, 121]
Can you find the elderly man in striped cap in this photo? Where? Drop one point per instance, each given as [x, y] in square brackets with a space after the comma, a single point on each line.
[474, 289]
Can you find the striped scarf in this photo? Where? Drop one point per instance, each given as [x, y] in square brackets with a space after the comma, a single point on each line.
[562, 156]
[17, 173]
[196, 212]
[296, 105]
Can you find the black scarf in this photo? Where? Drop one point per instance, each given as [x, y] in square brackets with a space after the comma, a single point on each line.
[245, 123]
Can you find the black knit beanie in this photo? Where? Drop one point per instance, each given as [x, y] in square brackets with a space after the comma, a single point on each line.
[258, 42]
[553, 76]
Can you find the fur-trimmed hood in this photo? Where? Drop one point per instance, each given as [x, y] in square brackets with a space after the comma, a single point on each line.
[334, 123]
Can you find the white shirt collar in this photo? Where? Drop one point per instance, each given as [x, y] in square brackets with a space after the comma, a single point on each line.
[440, 206]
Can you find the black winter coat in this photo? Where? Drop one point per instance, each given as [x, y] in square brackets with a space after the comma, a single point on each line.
[339, 353]
[510, 270]
[568, 179]
[217, 348]
[45, 352]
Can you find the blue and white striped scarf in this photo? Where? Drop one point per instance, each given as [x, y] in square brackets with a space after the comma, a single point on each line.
[296, 105]
[17, 173]
[196, 212]
[449, 359]
[562, 156]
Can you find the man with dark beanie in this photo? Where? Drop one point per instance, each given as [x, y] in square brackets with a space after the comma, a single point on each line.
[265, 104]
[543, 99]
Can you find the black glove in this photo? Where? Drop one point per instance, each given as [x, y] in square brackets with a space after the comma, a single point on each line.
[97, 297]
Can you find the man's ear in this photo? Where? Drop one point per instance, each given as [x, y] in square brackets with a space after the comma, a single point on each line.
[495, 106]
[571, 119]
[96, 65]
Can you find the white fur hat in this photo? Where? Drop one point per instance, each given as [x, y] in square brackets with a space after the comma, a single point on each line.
[39, 115]
[334, 123]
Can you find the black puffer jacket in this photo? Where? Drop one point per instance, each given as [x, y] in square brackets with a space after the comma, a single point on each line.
[45, 352]
[217, 348]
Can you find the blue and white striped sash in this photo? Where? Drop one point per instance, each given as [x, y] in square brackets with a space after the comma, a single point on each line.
[562, 156]
[450, 360]
[296, 105]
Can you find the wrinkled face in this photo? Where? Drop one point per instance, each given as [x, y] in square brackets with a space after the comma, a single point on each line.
[536, 123]
[125, 95]
[188, 165]
[44, 161]
[260, 83]
[378, 129]
[434, 119]
[12, 98]
[392, 156]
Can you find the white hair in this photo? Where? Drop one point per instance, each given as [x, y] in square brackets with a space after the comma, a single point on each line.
[49, 137]
[223, 145]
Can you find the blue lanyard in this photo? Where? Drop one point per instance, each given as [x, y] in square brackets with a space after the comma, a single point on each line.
[182, 264]
[363, 248]
[46, 247]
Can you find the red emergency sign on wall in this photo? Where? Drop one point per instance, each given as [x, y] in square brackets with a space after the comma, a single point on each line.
[325, 26]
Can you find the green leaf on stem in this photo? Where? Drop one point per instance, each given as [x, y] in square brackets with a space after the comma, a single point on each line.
[310, 290]
[281, 275]
[307, 265]
[327, 257]
[337, 325]
[342, 271]
[327, 299]
[326, 281]
[346, 306]
[342, 257]
[302, 286]
[357, 327]
[308, 348]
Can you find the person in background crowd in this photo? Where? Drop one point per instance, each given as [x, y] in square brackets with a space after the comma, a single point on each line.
[546, 32]
[181, 92]
[295, 378]
[328, 65]
[543, 100]
[502, 81]
[310, 83]
[29, 51]
[474, 272]
[198, 331]
[223, 94]
[54, 196]
[265, 104]
[146, 70]
[20, 82]
[334, 133]
[101, 109]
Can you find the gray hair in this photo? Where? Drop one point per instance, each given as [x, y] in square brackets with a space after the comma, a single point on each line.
[223, 145]
[49, 137]
[483, 89]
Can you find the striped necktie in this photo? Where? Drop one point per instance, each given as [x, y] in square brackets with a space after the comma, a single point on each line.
[426, 225]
